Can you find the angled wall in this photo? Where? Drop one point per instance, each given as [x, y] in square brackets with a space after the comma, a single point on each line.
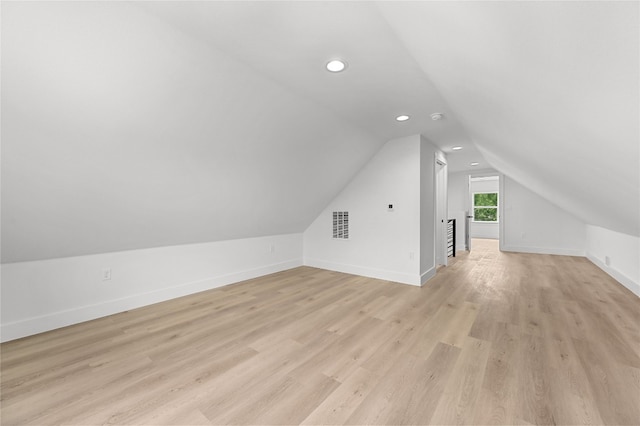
[617, 254]
[122, 132]
[383, 243]
[548, 92]
[395, 244]
[531, 224]
[528, 223]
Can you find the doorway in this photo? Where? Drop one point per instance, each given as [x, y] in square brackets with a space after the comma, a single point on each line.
[483, 214]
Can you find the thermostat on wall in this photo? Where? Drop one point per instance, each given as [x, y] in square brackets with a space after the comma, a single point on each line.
[390, 207]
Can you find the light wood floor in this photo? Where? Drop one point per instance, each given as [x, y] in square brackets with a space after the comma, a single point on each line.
[495, 338]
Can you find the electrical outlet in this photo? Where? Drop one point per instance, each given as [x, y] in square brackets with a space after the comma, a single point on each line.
[272, 248]
[106, 274]
[607, 260]
[411, 255]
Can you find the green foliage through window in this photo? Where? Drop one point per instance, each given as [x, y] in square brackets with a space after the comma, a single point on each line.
[487, 199]
[485, 215]
[485, 207]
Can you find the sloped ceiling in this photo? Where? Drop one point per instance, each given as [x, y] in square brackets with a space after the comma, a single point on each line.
[134, 125]
[548, 91]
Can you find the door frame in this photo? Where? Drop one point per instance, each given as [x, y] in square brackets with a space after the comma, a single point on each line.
[501, 204]
[440, 209]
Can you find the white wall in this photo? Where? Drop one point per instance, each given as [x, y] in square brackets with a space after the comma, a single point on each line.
[483, 229]
[458, 188]
[489, 231]
[43, 295]
[622, 251]
[130, 133]
[531, 224]
[383, 244]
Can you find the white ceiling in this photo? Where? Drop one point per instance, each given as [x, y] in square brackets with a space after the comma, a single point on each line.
[548, 92]
[132, 125]
[290, 43]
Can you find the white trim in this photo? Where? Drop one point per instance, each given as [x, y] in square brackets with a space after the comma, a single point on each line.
[543, 250]
[485, 178]
[474, 207]
[40, 324]
[501, 215]
[440, 158]
[440, 252]
[381, 274]
[484, 173]
[634, 287]
[501, 202]
[426, 276]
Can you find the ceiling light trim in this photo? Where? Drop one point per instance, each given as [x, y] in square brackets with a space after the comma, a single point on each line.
[336, 65]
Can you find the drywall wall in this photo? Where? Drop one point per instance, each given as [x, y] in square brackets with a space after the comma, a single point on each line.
[43, 295]
[531, 224]
[484, 229]
[121, 132]
[458, 203]
[617, 254]
[383, 243]
[489, 231]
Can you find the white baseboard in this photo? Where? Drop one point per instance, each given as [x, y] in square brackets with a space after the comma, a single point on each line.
[541, 250]
[30, 326]
[380, 274]
[426, 276]
[633, 286]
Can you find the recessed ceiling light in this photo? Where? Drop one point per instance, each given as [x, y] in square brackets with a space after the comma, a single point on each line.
[336, 65]
[456, 148]
[437, 116]
[474, 163]
[402, 118]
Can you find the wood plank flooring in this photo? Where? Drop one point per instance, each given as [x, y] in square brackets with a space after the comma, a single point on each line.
[494, 338]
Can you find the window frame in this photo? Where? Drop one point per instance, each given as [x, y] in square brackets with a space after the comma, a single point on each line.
[474, 207]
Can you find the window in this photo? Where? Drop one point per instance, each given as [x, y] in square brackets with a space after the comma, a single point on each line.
[485, 207]
[341, 225]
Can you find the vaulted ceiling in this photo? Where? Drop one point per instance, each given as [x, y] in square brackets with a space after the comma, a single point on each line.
[143, 124]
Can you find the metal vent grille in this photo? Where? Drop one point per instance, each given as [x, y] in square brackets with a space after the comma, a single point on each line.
[341, 225]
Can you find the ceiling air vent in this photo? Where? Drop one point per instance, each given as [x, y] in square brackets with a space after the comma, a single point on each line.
[341, 225]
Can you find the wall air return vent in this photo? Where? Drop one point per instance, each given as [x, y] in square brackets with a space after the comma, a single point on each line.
[341, 225]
